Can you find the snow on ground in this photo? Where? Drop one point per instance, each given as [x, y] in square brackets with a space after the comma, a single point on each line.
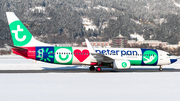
[14, 62]
[39, 9]
[88, 24]
[136, 21]
[116, 86]
[178, 5]
[161, 86]
[105, 8]
[20, 63]
[139, 37]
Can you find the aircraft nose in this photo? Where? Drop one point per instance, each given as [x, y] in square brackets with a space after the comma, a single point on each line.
[173, 60]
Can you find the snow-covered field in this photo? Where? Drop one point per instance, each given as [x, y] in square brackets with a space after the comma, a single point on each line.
[117, 86]
[161, 86]
[20, 63]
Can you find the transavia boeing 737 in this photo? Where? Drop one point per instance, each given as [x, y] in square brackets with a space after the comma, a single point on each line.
[116, 58]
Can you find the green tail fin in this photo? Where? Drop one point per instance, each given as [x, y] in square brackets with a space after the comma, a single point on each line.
[20, 34]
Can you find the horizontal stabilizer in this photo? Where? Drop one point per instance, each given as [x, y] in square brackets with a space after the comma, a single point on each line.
[15, 47]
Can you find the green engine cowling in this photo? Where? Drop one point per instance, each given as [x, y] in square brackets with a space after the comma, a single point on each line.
[121, 64]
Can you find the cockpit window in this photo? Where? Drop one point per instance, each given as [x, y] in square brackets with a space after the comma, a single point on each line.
[169, 54]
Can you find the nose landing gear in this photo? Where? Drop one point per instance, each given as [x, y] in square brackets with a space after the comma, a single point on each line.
[160, 68]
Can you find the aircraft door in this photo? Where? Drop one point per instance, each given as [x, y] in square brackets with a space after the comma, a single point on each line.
[161, 57]
[31, 53]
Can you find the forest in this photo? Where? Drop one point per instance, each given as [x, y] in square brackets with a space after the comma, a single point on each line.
[60, 21]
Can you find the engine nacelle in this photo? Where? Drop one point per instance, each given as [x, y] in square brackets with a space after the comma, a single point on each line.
[121, 64]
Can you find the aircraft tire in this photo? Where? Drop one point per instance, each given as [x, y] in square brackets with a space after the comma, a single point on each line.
[92, 68]
[98, 69]
[160, 68]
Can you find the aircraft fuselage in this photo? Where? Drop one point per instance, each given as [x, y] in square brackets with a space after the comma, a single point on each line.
[82, 56]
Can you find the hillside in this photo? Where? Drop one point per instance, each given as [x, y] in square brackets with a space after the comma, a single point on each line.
[69, 21]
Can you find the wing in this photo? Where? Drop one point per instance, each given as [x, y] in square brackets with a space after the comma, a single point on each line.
[97, 56]
[102, 58]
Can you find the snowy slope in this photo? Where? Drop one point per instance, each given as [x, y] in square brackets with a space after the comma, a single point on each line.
[178, 5]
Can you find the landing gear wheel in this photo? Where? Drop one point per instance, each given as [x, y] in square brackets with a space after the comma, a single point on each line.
[160, 68]
[98, 69]
[92, 68]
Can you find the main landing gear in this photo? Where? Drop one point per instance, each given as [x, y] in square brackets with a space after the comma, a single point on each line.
[92, 68]
[160, 68]
[98, 69]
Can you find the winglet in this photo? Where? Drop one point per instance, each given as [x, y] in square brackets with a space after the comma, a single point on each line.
[90, 48]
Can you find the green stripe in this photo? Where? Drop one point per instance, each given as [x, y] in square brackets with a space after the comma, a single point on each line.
[43, 50]
[50, 56]
[48, 59]
[39, 56]
[39, 52]
[47, 50]
[135, 62]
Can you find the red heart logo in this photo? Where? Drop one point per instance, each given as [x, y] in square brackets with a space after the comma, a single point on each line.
[81, 56]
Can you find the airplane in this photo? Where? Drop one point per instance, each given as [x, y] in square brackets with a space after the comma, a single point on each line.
[97, 58]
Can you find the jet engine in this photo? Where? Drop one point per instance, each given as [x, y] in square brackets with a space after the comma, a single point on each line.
[121, 64]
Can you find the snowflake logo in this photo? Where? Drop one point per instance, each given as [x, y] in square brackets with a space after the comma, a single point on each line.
[45, 55]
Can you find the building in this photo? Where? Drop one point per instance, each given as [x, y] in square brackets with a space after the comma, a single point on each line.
[172, 47]
[153, 43]
[119, 41]
[98, 44]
